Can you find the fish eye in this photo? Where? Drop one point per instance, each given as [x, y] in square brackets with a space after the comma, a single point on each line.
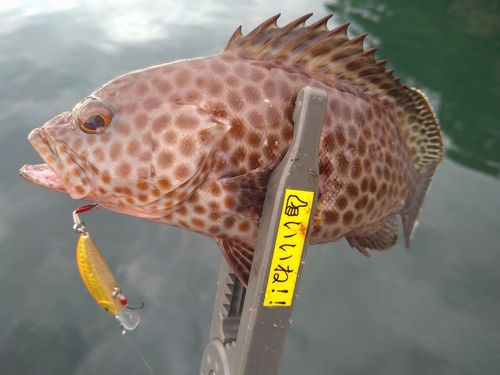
[94, 115]
[94, 123]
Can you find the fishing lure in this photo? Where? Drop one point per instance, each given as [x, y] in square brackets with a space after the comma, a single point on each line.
[99, 279]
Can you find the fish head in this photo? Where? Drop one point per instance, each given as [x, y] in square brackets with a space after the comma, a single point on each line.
[136, 154]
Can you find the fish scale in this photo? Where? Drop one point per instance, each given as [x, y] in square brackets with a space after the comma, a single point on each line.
[192, 143]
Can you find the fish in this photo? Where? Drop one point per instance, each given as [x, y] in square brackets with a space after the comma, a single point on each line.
[192, 143]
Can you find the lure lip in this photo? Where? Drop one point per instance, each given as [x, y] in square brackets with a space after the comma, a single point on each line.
[129, 319]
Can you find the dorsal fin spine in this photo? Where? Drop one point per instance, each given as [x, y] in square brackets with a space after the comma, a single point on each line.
[333, 38]
[282, 52]
[366, 72]
[305, 39]
[346, 49]
[298, 23]
[329, 44]
[271, 23]
[236, 35]
[240, 41]
[322, 23]
[350, 66]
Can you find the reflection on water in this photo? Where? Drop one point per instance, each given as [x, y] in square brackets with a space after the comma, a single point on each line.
[482, 17]
[431, 309]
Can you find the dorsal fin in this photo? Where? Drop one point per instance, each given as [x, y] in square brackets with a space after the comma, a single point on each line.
[331, 52]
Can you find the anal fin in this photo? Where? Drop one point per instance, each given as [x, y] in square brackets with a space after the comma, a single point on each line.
[380, 236]
[238, 255]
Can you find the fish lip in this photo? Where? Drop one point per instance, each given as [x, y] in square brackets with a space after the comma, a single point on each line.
[42, 175]
[48, 175]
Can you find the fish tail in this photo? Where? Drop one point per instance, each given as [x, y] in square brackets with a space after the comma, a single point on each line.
[420, 128]
[410, 214]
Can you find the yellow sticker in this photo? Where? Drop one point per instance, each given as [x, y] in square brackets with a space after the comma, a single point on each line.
[288, 248]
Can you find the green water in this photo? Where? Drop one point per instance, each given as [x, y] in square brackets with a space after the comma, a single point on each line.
[451, 48]
[433, 309]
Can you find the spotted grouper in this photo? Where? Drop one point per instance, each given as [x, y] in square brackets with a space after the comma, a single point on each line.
[192, 143]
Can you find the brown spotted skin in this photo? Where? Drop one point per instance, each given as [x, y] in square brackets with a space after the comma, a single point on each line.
[191, 144]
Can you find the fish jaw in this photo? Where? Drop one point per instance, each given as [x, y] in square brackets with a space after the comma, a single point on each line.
[55, 174]
[42, 175]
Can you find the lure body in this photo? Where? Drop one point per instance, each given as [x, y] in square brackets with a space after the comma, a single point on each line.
[97, 276]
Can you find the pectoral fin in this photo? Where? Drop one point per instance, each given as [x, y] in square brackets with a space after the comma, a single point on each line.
[380, 236]
[251, 187]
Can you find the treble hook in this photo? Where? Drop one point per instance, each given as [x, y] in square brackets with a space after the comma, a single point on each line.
[136, 308]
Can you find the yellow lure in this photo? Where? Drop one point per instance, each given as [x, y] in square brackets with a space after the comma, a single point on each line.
[99, 279]
[97, 276]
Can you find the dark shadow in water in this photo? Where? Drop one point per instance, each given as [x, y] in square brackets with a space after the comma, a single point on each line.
[452, 47]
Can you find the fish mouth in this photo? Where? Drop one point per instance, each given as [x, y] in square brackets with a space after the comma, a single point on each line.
[42, 175]
[54, 175]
